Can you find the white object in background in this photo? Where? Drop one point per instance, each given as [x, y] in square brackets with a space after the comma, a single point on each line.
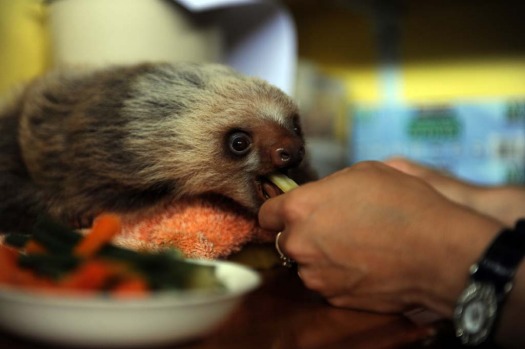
[259, 38]
[205, 5]
[256, 37]
[101, 32]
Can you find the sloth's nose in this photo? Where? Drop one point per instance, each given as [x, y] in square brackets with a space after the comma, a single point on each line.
[288, 154]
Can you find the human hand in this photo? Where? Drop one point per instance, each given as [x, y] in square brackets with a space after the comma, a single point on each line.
[374, 238]
[505, 202]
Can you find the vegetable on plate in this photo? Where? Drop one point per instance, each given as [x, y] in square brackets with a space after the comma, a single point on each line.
[57, 258]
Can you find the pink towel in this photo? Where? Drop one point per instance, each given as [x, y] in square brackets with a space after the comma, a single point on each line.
[207, 227]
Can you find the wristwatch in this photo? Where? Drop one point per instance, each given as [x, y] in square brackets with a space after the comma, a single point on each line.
[491, 279]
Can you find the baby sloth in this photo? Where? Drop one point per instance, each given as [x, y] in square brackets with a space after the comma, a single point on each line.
[127, 138]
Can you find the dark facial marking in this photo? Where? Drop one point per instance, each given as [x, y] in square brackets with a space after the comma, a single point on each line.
[297, 125]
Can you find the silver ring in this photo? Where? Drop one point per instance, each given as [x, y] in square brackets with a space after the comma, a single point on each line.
[285, 261]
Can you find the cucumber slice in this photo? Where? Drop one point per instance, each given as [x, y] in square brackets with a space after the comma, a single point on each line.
[283, 182]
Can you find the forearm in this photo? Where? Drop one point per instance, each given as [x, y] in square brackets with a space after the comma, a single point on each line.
[506, 203]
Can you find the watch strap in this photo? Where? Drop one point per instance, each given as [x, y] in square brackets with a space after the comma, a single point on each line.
[500, 261]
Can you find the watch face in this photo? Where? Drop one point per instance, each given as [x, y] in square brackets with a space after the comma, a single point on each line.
[475, 313]
[474, 316]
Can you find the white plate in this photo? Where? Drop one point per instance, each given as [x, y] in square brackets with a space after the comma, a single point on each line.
[165, 317]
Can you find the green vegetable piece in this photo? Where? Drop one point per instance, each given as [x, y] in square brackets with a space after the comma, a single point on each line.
[17, 240]
[65, 234]
[203, 277]
[53, 266]
[283, 182]
[55, 237]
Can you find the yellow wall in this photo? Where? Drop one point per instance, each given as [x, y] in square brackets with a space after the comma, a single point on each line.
[23, 41]
[449, 49]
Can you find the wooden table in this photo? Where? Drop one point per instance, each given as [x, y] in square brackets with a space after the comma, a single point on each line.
[282, 314]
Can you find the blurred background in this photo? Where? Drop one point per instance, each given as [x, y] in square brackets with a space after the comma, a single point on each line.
[439, 81]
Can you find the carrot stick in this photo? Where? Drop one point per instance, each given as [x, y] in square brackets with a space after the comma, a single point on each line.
[132, 286]
[34, 247]
[12, 274]
[8, 266]
[105, 227]
[26, 278]
[94, 274]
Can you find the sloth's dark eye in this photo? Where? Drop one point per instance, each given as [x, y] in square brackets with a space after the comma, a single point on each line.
[240, 143]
